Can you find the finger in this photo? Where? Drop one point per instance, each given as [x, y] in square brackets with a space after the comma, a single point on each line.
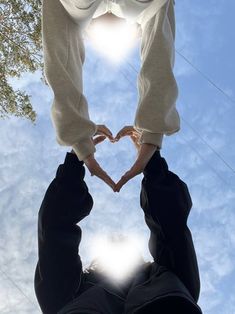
[99, 139]
[127, 130]
[133, 137]
[110, 182]
[130, 132]
[135, 134]
[125, 178]
[106, 178]
[108, 132]
[102, 129]
[100, 173]
[124, 130]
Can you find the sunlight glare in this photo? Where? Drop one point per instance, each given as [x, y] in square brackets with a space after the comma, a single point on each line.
[113, 41]
[119, 257]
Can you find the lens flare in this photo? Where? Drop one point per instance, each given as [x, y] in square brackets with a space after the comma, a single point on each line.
[115, 41]
[117, 256]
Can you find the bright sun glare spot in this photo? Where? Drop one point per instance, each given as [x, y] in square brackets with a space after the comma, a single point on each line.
[119, 257]
[113, 41]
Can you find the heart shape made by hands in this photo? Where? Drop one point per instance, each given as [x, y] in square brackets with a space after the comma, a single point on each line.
[145, 152]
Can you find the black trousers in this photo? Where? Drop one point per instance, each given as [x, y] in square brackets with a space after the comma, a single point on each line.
[166, 203]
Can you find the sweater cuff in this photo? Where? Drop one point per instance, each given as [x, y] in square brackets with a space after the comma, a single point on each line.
[151, 138]
[84, 148]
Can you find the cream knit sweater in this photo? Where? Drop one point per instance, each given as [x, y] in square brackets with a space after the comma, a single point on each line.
[63, 23]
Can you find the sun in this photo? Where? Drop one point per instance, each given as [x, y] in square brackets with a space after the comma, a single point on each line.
[114, 40]
[118, 256]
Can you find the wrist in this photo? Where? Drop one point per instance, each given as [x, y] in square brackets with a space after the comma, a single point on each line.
[89, 158]
[151, 138]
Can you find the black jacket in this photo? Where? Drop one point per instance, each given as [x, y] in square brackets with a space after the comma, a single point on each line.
[170, 284]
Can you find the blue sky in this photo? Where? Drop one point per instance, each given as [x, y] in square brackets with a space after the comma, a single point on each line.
[29, 156]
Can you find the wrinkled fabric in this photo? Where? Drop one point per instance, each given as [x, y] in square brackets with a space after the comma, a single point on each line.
[63, 25]
[170, 282]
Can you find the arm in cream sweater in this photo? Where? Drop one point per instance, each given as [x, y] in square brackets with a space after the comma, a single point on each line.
[64, 56]
[156, 112]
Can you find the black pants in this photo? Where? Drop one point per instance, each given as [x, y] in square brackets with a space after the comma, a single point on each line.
[165, 201]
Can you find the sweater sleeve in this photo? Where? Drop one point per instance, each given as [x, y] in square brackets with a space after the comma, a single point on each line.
[64, 55]
[156, 113]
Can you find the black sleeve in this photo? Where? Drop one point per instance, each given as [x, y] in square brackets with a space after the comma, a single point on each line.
[59, 269]
[166, 203]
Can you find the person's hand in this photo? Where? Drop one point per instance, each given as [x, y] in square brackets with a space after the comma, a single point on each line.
[145, 152]
[90, 161]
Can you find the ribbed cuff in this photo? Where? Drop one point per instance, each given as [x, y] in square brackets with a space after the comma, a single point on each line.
[84, 148]
[151, 138]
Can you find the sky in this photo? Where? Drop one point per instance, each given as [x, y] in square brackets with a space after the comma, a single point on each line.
[202, 153]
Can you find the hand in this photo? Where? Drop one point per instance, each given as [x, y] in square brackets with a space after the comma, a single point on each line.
[133, 133]
[103, 130]
[91, 162]
[145, 152]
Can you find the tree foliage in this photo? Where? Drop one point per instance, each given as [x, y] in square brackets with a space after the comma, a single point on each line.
[20, 51]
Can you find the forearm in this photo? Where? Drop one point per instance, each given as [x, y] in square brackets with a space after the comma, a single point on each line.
[64, 55]
[166, 203]
[59, 269]
[73, 127]
[162, 191]
[156, 112]
[67, 199]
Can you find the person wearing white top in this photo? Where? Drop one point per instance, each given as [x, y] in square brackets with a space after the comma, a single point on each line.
[64, 23]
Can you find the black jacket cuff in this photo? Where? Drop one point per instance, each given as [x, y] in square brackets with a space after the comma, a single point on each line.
[156, 167]
[71, 168]
[72, 158]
